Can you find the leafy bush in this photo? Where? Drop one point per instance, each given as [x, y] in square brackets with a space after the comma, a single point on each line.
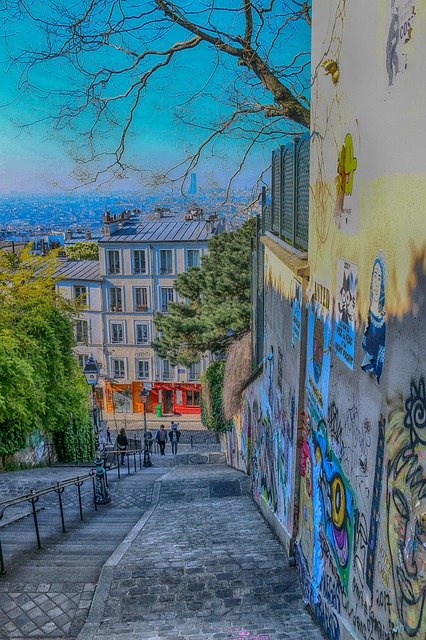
[211, 401]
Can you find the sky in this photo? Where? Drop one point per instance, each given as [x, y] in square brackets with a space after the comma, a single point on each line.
[35, 158]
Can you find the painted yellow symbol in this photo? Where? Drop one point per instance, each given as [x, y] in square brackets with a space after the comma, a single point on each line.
[346, 166]
[331, 68]
[338, 502]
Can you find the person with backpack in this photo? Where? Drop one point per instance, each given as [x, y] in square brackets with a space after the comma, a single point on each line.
[161, 438]
[174, 437]
[122, 444]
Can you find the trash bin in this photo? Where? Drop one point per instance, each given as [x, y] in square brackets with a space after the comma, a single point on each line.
[158, 411]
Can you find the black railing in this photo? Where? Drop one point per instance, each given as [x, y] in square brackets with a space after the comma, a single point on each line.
[133, 459]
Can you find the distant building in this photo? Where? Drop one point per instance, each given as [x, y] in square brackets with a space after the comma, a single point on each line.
[193, 185]
[134, 279]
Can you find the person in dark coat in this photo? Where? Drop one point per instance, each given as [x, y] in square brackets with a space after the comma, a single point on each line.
[174, 437]
[122, 443]
[161, 438]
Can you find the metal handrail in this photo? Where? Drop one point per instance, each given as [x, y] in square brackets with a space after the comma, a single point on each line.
[34, 495]
[41, 492]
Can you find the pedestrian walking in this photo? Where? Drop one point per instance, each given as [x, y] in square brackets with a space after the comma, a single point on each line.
[122, 444]
[161, 438]
[109, 439]
[174, 437]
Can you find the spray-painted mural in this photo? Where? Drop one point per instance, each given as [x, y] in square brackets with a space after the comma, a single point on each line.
[346, 395]
[344, 332]
[374, 339]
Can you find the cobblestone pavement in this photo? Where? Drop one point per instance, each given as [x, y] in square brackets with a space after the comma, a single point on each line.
[47, 593]
[204, 566]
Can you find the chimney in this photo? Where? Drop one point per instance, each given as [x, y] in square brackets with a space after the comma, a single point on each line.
[68, 234]
[88, 234]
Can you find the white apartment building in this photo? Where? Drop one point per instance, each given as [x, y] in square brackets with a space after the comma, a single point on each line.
[134, 279]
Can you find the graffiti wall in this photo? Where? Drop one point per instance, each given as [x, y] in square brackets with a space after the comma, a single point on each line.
[361, 543]
[276, 423]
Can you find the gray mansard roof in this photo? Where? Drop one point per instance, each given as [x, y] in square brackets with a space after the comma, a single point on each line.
[79, 270]
[162, 232]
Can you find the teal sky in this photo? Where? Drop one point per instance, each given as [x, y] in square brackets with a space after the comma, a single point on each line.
[34, 157]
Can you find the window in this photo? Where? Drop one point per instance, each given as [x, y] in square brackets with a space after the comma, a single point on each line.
[142, 369]
[288, 214]
[113, 262]
[141, 298]
[82, 331]
[117, 332]
[193, 258]
[118, 368]
[194, 371]
[166, 296]
[142, 332]
[115, 299]
[193, 398]
[82, 359]
[166, 261]
[139, 261]
[168, 370]
[80, 294]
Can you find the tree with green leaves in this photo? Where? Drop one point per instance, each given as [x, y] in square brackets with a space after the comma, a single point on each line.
[82, 251]
[218, 293]
[41, 385]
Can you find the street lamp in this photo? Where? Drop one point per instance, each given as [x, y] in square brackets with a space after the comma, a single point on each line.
[144, 395]
[91, 372]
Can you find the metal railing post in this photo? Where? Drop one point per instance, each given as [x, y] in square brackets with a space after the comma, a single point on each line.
[134, 460]
[128, 464]
[94, 493]
[59, 490]
[2, 567]
[33, 500]
[79, 483]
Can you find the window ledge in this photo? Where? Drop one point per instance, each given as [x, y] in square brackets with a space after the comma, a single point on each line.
[295, 260]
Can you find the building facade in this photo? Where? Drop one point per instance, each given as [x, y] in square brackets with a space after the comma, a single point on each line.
[137, 269]
[332, 426]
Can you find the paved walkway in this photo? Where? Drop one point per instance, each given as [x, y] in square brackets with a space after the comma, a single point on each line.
[200, 564]
[47, 593]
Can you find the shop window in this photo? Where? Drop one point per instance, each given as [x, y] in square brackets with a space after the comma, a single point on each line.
[193, 398]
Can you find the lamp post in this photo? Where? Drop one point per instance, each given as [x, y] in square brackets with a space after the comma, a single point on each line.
[144, 395]
[91, 371]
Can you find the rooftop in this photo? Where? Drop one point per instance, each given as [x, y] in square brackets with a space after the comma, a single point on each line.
[79, 270]
[167, 231]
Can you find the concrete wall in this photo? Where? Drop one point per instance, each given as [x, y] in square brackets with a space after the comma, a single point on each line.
[361, 547]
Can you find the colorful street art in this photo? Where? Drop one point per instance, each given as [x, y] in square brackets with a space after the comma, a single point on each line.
[374, 339]
[346, 206]
[406, 510]
[344, 331]
[318, 360]
[337, 503]
[296, 308]
[375, 505]
[401, 24]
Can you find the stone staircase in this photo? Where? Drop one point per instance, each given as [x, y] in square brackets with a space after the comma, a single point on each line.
[47, 593]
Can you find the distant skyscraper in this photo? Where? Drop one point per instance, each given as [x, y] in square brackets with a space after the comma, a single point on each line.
[193, 185]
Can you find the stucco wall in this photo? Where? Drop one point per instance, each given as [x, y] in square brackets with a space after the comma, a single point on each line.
[361, 547]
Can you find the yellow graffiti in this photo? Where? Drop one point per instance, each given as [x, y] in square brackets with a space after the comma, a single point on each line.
[331, 68]
[346, 167]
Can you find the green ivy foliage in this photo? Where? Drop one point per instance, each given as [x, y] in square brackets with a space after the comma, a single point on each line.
[82, 251]
[41, 384]
[211, 401]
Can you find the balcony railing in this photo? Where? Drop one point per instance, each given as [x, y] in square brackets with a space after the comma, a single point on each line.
[116, 308]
